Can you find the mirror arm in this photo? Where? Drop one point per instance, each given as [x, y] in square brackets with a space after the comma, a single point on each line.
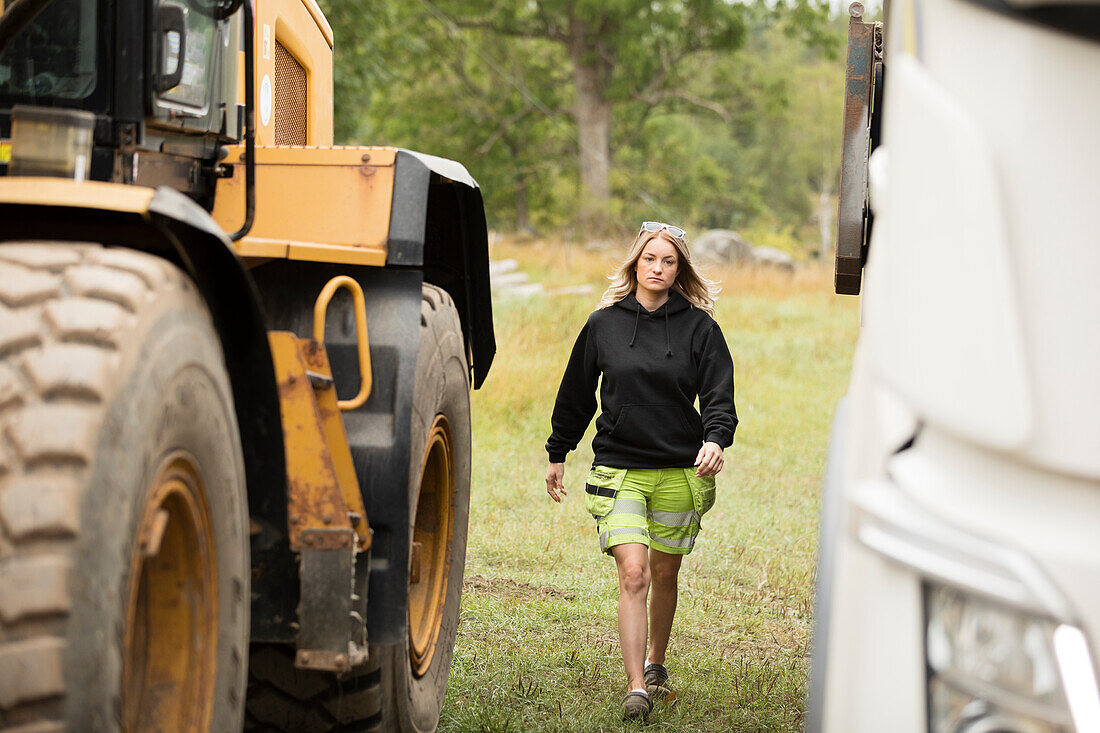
[249, 124]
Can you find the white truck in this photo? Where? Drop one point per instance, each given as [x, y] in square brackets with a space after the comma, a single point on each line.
[959, 571]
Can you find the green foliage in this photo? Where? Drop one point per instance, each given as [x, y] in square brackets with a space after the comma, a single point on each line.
[765, 234]
[723, 114]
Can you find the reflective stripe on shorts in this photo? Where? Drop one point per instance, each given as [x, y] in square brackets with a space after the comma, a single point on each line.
[685, 543]
[628, 506]
[673, 519]
[618, 532]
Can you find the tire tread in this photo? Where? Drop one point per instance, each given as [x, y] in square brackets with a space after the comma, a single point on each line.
[412, 702]
[282, 697]
[64, 312]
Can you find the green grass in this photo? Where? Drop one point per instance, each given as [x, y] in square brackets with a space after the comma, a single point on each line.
[537, 645]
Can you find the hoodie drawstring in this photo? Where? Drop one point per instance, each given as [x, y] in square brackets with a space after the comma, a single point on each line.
[637, 314]
[668, 340]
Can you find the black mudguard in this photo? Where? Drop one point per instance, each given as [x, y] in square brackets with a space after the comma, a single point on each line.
[437, 224]
[378, 432]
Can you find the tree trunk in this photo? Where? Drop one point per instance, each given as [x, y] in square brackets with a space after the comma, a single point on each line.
[523, 219]
[825, 204]
[591, 72]
[825, 219]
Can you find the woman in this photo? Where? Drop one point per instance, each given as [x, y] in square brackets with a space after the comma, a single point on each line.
[654, 341]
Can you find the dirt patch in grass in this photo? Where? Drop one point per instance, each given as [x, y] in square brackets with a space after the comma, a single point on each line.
[507, 588]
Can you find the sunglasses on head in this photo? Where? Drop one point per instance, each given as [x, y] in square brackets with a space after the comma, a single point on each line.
[656, 226]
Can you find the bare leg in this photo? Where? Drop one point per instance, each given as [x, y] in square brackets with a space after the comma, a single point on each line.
[633, 564]
[662, 604]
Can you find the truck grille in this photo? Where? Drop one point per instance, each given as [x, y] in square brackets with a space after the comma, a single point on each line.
[290, 99]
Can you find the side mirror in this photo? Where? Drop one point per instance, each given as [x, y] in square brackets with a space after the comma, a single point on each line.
[172, 46]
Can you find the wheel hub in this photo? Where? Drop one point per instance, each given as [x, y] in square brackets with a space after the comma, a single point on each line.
[169, 664]
[432, 535]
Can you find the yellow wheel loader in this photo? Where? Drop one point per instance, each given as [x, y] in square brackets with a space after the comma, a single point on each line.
[235, 364]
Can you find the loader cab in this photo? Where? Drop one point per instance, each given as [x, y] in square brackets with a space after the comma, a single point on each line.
[60, 59]
[160, 76]
[165, 81]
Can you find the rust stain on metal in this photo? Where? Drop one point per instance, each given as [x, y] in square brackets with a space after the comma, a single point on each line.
[324, 660]
[314, 355]
[316, 359]
[313, 484]
[326, 539]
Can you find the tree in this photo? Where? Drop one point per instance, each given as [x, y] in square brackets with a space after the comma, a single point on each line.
[695, 132]
[821, 105]
[619, 51]
[408, 76]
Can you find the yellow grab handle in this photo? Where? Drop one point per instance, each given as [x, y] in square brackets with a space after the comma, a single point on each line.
[319, 312]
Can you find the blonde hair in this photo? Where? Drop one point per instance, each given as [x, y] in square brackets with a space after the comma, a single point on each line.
[696, 289]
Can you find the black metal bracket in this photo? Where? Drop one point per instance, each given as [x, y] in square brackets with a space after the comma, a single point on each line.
[864, 68]
[250, 123]
[332, 635]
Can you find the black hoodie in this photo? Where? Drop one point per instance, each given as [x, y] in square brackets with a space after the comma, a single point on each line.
[653, 366]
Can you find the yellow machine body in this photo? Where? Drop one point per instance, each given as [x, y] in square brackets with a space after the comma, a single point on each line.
[87, 195]
[322, 204]
[314, 201]
[293, 74]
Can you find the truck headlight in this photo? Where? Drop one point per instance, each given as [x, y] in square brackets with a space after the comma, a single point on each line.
[996, 668]
[51, 142]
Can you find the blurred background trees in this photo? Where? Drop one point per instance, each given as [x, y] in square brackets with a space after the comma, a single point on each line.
[583, 117]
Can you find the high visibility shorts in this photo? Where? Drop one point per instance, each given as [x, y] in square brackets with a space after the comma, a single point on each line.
[660, 508]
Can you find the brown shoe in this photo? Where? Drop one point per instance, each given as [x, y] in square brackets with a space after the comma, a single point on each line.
[656, 682]
[636, 706]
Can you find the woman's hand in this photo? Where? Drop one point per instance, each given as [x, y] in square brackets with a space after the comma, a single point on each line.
[709, 460]
[555, 472]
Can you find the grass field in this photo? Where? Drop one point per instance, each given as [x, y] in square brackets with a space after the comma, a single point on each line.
[537, 643]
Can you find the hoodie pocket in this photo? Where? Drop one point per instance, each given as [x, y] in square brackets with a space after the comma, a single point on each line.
[702, 491]
[660, 428]
[601, 488]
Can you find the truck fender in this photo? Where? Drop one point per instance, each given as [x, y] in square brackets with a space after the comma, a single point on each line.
[378, 431]
[437, 224]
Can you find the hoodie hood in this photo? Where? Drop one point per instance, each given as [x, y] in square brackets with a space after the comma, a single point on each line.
[675, 304]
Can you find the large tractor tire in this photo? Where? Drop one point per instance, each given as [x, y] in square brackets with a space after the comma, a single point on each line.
[124, 570]
[414, 675]
[286, 699]
[399, 688]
